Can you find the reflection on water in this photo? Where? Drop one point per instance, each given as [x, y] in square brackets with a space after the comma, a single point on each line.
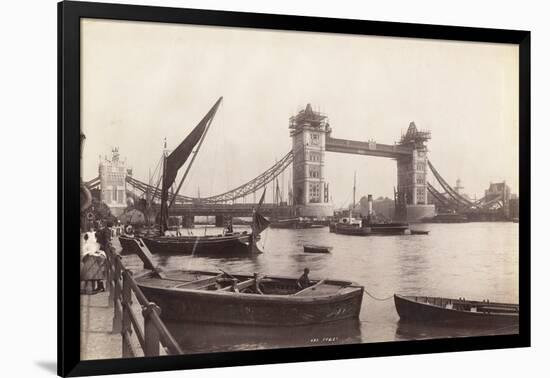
[408, 331]
[200, 337]
[472, 260]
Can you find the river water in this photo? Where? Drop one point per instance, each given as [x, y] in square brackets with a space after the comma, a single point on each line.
[472, 260]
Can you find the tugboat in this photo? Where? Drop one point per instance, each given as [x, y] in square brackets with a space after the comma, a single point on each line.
[381, 228]
[350, 225]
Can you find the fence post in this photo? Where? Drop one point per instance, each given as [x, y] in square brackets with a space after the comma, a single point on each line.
[117, 319]
[109, 275]
[126, 304]
[151, 333]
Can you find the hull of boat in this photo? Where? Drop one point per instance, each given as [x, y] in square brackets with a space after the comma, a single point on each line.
[432, 310]
[349, 230]
[128, 245]
[389, 228]
[240, 309]
[316, 249]
[419, 232]
[199, 245]
[342, 300]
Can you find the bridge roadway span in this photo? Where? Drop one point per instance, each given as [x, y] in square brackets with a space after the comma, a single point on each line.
[235, 210]
[367, 148]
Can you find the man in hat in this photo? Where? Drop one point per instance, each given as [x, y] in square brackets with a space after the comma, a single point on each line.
[303, 282]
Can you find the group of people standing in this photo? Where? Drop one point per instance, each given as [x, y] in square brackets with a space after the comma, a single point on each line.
[92, 266]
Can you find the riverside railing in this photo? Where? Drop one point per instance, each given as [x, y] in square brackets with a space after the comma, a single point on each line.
[122, 289]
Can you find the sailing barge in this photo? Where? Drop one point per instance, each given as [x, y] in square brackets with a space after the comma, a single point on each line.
[227, 244]
[246, 299]
[230, 243]
[459, 312]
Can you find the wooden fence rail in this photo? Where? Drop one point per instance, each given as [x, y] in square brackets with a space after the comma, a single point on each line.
[121, 286]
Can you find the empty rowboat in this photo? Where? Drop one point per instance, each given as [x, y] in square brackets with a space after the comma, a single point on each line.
[312, 248]
[419, 232]
[459, 312]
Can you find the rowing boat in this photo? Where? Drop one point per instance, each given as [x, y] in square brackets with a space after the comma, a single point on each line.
[455, 311]
[312, 248]
[204, 296]
[245, 299]
[419, 232]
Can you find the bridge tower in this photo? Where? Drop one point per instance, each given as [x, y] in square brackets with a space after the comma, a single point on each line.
[112, 175]
[412, 187]
[309, 130]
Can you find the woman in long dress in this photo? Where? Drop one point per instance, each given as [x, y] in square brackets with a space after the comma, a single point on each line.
[92, 266]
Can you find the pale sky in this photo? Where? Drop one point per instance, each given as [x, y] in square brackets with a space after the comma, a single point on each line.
[142, 82]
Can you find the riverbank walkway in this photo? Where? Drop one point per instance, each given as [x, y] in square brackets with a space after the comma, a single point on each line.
[120, 322]
[97, 340]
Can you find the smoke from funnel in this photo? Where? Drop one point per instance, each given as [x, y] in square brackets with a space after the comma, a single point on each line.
[369, 199]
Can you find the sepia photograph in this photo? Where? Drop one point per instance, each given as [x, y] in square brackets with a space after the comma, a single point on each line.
[252, 189]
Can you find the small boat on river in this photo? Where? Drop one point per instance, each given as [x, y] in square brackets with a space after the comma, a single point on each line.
[419, 232]
[246, 299]
[312, 248]
[460, 312]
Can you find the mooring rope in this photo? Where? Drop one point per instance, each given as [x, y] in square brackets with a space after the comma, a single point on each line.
[377, 298]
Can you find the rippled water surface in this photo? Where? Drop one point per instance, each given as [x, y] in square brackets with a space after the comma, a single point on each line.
[472, 260]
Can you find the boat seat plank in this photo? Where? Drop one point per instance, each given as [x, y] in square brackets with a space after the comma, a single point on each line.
[199, 284]
[161, 282]
[326, 289]
[241, 285]
[310, 289]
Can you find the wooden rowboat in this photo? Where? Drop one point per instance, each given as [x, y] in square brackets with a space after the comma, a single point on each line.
[209, 297]
[419, 232]
[312, 248]
[220, 297]
[459, 312]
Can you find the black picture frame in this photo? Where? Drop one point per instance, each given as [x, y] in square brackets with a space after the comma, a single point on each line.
[69, 15]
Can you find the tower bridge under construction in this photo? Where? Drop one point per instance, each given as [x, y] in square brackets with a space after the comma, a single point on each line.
[309, 192]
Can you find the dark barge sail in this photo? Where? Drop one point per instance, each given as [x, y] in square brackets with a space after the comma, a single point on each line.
[230, 243]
